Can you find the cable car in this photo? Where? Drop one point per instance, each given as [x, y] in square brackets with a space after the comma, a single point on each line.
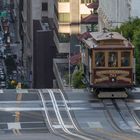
[108, 61]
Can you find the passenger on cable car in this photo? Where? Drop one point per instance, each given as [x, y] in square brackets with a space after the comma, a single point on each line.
[124, 61]
[100, 60]
[112, 60]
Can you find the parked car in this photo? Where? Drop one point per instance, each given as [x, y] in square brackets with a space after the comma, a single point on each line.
[2, 84]
[14, 74]
[2, 77]
[1, 41]
[1, 55]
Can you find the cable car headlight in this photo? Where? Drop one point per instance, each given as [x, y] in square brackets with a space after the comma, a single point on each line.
[113, 79]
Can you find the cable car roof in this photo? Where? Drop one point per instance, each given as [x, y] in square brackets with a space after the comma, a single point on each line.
[106, 36]
[102, 40]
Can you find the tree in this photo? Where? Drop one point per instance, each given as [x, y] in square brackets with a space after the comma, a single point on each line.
[136, 42]
[77, 77]
[131, 31]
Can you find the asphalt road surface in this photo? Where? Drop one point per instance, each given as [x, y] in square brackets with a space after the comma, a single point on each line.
[22, 114]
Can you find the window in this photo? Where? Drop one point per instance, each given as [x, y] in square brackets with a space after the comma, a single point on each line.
[125, 59]
[44, 6]
[87, 1]
[63, 0]
[113, 59]
[64, 17]
[100, 59]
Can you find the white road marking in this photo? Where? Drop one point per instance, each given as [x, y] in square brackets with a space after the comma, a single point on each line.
[1, 91]
[14, 125]
[94, 125]
[22, 91]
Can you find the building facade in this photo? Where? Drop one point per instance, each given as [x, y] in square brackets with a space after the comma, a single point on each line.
[71, 13]
[135, 10]
[48, 25]
[113, 13]
[37, 22]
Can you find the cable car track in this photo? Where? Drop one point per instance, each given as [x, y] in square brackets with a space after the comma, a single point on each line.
[131, 115]
[59, 115]
[62, 129]
[106, 104]
[76, 125]
[75, 129]
[123, 135]
[60, 119]
[48, 120]
[132, 111]
[115, 116]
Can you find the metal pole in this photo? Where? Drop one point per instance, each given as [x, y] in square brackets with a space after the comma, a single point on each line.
[69, 69]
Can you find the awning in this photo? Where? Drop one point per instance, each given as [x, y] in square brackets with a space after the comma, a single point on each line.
[85, 35]
[93, 5]
[92, 18]
[75, 59]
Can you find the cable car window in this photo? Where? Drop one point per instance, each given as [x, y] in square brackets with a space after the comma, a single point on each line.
[125, 59]
[113, 59]
[100, 59]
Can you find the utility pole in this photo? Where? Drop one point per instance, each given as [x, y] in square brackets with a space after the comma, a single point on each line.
[69, 69]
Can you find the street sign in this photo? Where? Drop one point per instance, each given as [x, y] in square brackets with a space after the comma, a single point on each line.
[3, 14]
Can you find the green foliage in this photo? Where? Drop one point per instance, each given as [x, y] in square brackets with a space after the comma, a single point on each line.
[138, 73]
[131, 31]
[128, 28]
[136, 38]
[136, 42]
[12, 84]
[77, 79]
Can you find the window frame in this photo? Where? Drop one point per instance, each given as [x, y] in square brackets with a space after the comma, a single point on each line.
[63, 0]
[87, 1]
[117, 64]
[119, 52]
[44, 7]
[100, 66]
[130, 57]
[62, 16]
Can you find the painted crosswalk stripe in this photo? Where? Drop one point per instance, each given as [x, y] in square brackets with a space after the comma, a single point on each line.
[1, 91]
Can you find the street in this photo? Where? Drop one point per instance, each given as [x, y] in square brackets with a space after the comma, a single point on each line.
[25, 114]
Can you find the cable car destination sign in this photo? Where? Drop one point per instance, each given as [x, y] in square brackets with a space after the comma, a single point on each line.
[105, 75]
